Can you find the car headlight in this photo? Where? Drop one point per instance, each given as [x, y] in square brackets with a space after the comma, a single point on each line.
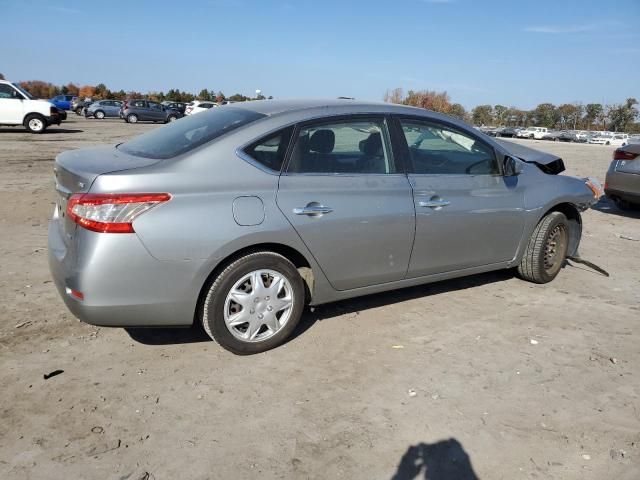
[595, 187]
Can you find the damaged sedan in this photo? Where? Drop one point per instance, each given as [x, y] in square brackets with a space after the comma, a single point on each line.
[241, 216]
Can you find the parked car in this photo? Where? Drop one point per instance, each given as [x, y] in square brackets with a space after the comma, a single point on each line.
[180, 106]
[532, 132]
[508, 132]
[619, 140]
[133, 111]
[78, 105]
[103, 108]
[553, 135]
[19, 107]
[622, 183]
[198, 106]
[63, 102]
[240, 232]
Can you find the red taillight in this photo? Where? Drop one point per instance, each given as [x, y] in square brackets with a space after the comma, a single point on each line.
[111, 212]
[624, 155]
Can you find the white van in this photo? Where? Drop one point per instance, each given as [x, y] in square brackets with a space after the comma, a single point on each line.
[18, 107]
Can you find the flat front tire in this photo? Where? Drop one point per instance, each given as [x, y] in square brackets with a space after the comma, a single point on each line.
[254, 304]
[547, 249]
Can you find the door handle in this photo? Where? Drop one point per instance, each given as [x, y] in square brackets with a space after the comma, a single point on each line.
[434, 203]
[312, 210]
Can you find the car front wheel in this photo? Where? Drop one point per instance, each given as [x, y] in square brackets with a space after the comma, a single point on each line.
[254, 304]
[132, 118]
[547, 249]
[35, 123]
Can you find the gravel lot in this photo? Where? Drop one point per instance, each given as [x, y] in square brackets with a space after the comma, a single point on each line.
[488, 376]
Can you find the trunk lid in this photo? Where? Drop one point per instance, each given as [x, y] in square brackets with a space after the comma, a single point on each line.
[631, 165]
[76, 170]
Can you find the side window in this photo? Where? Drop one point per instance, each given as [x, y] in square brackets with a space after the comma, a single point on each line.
[155, 106]
[139, 104]
[6, 91]
[438, 149]
[270, 151]
[349, 146]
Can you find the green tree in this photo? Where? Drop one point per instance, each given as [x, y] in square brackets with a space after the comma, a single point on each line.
[205, 95]
[482, 115]
[458, 111]
[621, 116]
[2, 77]
[546, 115]
[500, 114]
[593, 112]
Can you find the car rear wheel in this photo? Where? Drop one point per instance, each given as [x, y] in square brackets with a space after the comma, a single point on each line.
[78, 111]
[132, 118]
[547, 249]
[99, 114]
[171, 118]
[35, 123]
[254, 304]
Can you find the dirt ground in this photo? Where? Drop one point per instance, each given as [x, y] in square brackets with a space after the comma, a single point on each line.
[486, 376]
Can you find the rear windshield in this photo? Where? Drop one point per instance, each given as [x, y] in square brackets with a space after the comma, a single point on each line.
[188, 133]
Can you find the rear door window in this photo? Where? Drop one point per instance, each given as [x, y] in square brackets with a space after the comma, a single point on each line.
[350, 146]
[269, 152]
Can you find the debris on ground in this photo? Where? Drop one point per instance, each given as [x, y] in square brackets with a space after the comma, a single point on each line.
[397, 347]
[586, 457]
[47, 376]
[97, 429]
[626, 237]
[23, 324]
[613, 360]
[617, 454]
[533, 342]
[412, 392]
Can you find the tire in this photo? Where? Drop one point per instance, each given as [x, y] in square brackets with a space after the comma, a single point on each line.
[99, 114]
[547, 249]
[171, 118]
[35, 123]
[608, 143]
[78, 111]
[267, 329]
[132, 118]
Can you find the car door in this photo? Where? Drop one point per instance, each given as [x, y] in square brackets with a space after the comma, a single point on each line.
[349, 200]
[11, 105]
[467, 213]
[156, 111]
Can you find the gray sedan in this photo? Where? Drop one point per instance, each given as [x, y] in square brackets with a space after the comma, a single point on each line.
[622, 183]
[103, 108]
[241, 216]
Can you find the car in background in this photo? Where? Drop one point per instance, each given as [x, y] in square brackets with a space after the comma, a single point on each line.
[619, 140]
[19, 107]
[214, 219]
[199, 106]
[63, 102]
[634, 139]
[553, 135]
[133, 111]
[622, 184]
[78, 105]
[533, 133]
[103, 108]
[508, 132]
[179, 106]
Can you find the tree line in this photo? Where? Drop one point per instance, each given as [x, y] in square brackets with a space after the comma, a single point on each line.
[40, 89]
[621, 117]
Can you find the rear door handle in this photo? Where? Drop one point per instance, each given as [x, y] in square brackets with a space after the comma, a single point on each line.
[312, 210]
[434, 203]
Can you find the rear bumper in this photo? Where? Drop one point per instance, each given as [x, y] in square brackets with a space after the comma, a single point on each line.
[122, 284]
[630, 197]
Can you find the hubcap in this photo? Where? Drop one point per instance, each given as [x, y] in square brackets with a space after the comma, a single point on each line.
[36, 124]
[555, 249]
[258, 305]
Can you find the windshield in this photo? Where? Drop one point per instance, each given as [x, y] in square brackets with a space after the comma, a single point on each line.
[188, 133]
[23, 91]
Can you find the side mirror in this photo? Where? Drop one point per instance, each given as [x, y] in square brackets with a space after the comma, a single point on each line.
[512, 167]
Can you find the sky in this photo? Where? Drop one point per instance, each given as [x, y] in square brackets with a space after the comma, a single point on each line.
[514, 53]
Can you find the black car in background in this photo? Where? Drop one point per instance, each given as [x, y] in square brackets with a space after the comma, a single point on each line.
[179, 106]
[133, 111]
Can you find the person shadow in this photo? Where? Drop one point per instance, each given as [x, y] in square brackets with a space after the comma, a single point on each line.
[443, 460]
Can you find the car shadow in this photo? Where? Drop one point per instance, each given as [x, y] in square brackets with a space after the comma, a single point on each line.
[195, 333]
[358, 304]
[606, 205]
[443, 460]
[49, 131]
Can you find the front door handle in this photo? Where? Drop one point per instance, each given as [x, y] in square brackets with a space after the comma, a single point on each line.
[433, 203]
[312, 210]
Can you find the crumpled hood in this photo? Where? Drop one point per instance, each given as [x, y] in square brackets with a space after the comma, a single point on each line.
[547, 162]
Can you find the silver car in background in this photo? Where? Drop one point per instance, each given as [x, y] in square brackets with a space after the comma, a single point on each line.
[103, 108]
[240, 216]
[622, 184]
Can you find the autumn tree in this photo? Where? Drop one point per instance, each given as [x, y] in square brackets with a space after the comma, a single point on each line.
[87, 91]
[429, 99]
[394, 96]
[622, 115]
